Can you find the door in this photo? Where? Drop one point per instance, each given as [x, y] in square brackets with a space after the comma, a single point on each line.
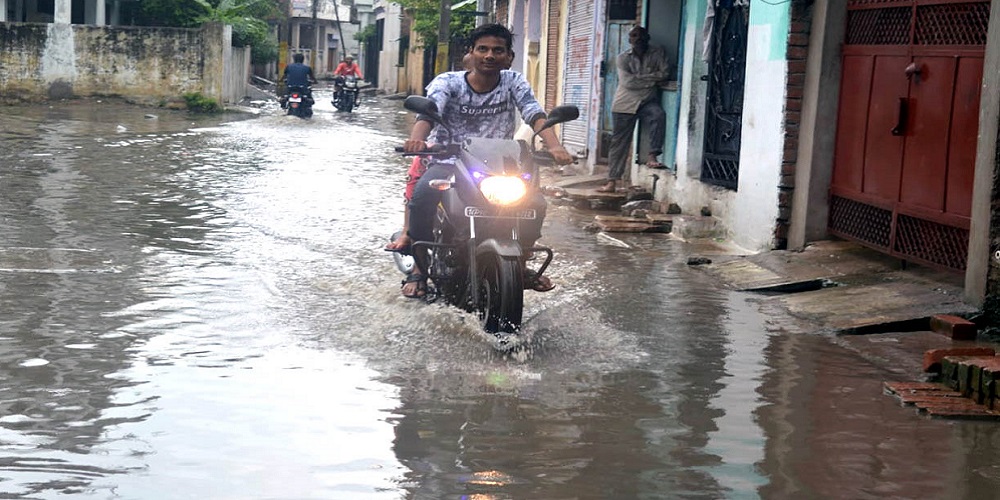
[907, 128]
[621, 19]
[726, 78]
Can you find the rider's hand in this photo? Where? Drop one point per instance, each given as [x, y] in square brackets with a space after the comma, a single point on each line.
[561, 156]
[414, 146]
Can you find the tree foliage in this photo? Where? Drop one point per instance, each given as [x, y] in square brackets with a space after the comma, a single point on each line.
[247, 17]
[427, 18]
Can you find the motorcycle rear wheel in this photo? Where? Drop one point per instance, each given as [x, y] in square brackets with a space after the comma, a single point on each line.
[501, 293]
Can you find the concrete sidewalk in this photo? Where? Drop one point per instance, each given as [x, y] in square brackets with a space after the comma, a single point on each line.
[882, 310]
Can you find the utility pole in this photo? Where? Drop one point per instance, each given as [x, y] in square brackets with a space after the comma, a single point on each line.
[441, 62]
[315, 44]
[340, 29]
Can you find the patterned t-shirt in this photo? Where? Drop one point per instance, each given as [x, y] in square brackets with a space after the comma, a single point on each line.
[489, 114]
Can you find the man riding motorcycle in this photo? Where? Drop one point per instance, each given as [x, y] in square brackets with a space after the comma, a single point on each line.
[299, 75]
[476, 103]
[346, 68]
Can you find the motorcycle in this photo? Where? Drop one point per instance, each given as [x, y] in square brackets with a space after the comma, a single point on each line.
[299, 102]
[475, 261]
[347, 97]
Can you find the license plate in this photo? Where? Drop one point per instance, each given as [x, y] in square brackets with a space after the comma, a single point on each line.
[295, 99]
[527, 213]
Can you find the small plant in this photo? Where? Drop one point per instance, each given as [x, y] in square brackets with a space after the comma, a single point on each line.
[201, 104]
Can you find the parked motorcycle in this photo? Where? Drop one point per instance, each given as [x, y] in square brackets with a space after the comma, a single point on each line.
[475, 261]
[299, 102]
[348, 95]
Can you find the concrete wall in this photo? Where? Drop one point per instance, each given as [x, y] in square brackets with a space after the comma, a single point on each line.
[747, 215]
[414, 66]
[237, 75]
[684, 187]
[388, 69]
[755, 208]
[982, 276]
[39, 61]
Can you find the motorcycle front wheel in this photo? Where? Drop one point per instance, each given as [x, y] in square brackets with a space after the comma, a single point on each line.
[501, 293]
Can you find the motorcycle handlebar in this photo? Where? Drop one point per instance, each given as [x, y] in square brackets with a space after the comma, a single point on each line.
[546, 157]
[435, 149]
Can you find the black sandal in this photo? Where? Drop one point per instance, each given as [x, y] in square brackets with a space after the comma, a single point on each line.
[420, 280]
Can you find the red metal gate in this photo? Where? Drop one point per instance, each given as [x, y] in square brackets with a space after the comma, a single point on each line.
[907, 127]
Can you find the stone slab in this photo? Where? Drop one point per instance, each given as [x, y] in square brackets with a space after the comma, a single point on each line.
[843, 309]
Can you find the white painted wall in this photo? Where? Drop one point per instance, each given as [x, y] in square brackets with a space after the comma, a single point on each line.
[755, 208]
[685, 188]
[59, 56]
[388, 72]
[747, 216]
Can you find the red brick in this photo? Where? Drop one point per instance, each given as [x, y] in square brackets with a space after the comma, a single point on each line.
[933, 357]
[797, 53]
[799, 27]
[793, 104]
[798, 39]
[796, 67]
[953, 327]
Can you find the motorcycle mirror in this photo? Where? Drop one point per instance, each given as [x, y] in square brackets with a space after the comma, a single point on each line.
[560, 114]
[423, 106]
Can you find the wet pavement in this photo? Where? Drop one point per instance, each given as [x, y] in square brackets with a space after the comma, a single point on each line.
[199, 307]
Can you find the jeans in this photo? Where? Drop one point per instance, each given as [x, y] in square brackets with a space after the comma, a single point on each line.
[653, 121]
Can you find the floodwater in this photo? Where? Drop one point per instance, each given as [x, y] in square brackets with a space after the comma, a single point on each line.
[199, 307]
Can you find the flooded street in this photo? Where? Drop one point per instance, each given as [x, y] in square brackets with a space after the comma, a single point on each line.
[200, 307]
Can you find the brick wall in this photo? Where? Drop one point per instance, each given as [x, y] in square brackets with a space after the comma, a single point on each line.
[798, 49]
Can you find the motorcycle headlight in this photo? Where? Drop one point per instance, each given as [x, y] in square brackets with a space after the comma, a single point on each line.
[503, 190]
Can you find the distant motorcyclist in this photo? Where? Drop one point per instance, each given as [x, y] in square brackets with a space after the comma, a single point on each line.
[346, 68]
[478, 103]
[299, 74]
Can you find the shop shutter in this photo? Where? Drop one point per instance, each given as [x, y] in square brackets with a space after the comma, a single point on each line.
[577, 77]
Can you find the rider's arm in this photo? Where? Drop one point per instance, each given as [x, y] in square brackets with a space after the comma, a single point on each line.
[552, 143]
[533, 113]
[438, 92]
[418, 136]
[357, 72]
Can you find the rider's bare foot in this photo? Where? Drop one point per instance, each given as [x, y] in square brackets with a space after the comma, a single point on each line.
[401, 243]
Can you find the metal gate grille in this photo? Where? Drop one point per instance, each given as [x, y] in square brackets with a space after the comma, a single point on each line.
[726, 78]
[931, 243]
[889, 26]
[952, 24]
[860, 221]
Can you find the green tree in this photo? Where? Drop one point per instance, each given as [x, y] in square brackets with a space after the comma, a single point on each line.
[427, 15]
[249, 19]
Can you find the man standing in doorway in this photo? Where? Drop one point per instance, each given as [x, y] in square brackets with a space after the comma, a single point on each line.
[641, 70]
